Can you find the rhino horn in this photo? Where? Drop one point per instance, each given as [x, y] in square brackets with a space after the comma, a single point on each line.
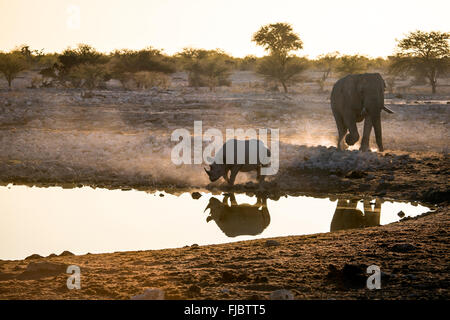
[208, 207]
[208, 172]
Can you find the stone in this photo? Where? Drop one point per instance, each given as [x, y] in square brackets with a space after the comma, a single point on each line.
[46, 267]
[194, 290]
[401, 214]
[272, 243]
[66, 254]
[33, 256]
[403, 247]
[196, 195]
[281, 294]
[150, 294]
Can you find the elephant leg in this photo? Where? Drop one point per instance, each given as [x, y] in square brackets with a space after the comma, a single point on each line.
[376, 121]
[342, 130]
[353, 135]
[366, 134]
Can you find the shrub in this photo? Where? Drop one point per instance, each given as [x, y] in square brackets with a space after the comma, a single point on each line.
[11, 64]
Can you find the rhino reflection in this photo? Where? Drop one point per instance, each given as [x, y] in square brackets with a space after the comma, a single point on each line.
[239, 219]
[347, 216]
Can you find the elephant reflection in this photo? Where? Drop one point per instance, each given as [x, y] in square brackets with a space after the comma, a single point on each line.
[239, 219]
[347, 216]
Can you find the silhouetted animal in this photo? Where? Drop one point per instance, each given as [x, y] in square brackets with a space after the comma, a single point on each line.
[251, 160]
[355, 98]
[239, 219]
[347, 216]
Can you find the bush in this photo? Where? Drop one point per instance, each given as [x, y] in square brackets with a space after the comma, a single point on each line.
[147, 79]
[11, 64]
[351, 64]
[207, 68]
[125, 63]
[89, 75]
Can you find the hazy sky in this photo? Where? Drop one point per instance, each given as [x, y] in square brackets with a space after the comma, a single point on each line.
[348, 26]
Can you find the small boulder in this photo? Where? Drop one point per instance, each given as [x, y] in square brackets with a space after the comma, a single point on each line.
[66, 254]
[196, 195]
[150, 294]
[282, 294]
[403, 247]
[34, 256]
[272, 243]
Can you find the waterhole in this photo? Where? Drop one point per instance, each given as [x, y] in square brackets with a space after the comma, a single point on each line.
[43, 221]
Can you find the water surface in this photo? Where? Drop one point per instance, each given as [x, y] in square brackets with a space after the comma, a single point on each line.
[82, 220]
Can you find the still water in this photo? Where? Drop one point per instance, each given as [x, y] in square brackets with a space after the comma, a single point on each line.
[82, 220]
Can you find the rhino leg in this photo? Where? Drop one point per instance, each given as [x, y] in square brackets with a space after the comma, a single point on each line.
[225, 176]
[234, 172]
[259, 177]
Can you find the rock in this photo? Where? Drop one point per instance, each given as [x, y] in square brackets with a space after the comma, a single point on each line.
[195, 246]
[66, 254]
[403, 247]
[272, 243]
[282, 294]
[350, 276]
[52, 255]
[401, 214]
[161, 194]
[196, 195]
[46, 267]
[356, 175]
[33, 256]
[150, 294]
[229, 277]
[194, 290]
[364, 187]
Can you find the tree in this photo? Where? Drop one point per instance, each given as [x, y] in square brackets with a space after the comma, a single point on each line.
[209, 68]
[11, 64]
[279, 40]
[125, 63]
[326, 63]
[351, 64]
[424, 53]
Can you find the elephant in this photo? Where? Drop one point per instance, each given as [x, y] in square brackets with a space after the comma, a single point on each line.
[239, 219]
[348, 216]
[355, 98]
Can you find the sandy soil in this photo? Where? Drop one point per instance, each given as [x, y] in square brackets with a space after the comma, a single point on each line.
[121, 139]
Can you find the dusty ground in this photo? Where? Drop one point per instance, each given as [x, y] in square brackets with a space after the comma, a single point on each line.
[121, 139]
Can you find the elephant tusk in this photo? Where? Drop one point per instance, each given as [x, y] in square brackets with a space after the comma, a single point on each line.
[387, 109]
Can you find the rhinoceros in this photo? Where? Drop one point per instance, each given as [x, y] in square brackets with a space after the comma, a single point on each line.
[239, 219]
[256, 155]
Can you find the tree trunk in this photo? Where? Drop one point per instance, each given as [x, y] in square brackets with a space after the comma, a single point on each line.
[284, 86]
[433, 87]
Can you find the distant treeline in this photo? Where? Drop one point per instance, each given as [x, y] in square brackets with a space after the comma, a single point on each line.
[85, 67]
